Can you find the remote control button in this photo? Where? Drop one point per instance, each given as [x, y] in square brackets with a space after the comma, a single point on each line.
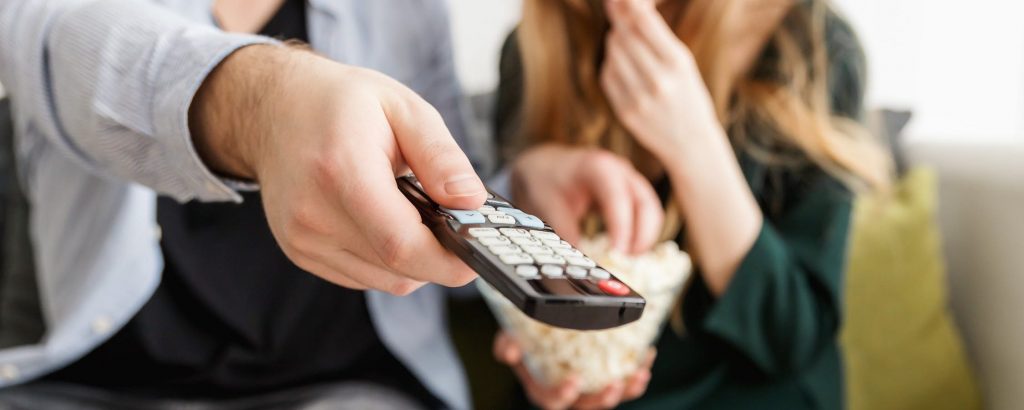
[514, 232]
[550, 259]
[497, 203]
[528, 220]
[504, 249]
[567, 252]
[557, 244]
[581, 261]
[551, 271]
[464, 216]
[537, 250]
[613, 287]
[486, 208]
[483, 232]
[511, 210]
[526, 240]
[494, 240]
[526, 271]
[599, 273]
[501, 219]
[516, 259]
[545, 235]
[576, 272]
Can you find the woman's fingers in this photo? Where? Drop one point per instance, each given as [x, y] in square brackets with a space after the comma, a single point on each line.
[607, 398]
[649, 214]
[643, 18]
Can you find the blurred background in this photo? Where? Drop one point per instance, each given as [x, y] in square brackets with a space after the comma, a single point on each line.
[956, 70]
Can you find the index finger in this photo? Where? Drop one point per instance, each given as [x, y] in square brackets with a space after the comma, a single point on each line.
[392, 226]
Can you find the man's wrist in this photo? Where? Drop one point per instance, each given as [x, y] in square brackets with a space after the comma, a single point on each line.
[230, 116]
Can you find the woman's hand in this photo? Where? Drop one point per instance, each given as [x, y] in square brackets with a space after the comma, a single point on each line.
[562, 184]
[566, 394]
[652, 81]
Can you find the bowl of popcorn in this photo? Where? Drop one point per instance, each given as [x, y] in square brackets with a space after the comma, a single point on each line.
[599, 357]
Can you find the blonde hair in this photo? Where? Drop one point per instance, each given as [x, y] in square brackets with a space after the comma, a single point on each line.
[561, 46]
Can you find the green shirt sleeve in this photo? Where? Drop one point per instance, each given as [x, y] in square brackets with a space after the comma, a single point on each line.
[782, 307]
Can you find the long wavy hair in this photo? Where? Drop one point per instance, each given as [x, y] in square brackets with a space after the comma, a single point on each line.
[561, 43]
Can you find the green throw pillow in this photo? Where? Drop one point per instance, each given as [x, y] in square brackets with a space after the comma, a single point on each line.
[900, 346]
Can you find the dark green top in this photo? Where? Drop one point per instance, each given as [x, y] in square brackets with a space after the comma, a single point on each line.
[770, 341]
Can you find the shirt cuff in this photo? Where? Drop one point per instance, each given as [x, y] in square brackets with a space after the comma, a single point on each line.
[204, 48]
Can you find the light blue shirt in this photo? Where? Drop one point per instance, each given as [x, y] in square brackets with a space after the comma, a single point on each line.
[101, 91]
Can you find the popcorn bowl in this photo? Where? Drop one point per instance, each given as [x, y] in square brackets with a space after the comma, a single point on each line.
[599, 357]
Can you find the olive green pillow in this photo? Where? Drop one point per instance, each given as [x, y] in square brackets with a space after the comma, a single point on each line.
[900, 346]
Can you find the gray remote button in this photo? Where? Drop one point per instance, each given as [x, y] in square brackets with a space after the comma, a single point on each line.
[581, 261]
[526, 271]
[599, 273]
[501, 219]
[537, 250]
[550, 259]
[568, 252]
[498, 203]
[492, 211]
[551, 270]
[494, 240]
[576, 272]
[526, 240]
[557, 244]
[511, 210]
[465, 216]
[504, 249]
[516, 259]
[528, 220]
[514, 232]
[545, 235]
[483, 232]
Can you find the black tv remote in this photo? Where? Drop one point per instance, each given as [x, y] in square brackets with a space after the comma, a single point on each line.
[525, 260]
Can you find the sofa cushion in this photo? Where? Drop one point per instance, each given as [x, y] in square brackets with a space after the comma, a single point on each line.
[901, 348]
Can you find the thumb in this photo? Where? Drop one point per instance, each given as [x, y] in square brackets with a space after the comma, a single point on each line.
[432, 154]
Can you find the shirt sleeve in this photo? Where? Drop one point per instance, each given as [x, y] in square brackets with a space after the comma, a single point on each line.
[110, 82]
[782, 308]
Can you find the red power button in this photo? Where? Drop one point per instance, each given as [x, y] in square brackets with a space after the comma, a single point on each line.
[613, 287]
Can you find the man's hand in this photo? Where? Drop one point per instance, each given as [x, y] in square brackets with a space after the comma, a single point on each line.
[562, 184]
[566, 394]
[325, 142]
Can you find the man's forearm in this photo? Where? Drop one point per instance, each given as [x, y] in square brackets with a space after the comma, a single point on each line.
[233, 110]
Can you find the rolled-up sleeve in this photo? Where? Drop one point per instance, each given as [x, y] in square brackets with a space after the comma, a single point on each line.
[110, 83]
[782, 308]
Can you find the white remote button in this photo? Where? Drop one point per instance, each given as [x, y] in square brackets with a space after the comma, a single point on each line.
[514, 232]
[494, 240]
[557, 244]
[485, 208]
[568, 252]
[482, 232]
[504, 249]
[550, 259]
[517, 259]
[576, 272]
[545, 235]
[537, 250]
[501, 219]
[526, 240]
[551, 270]
[581, 261]
[599, 273]
[527, 271]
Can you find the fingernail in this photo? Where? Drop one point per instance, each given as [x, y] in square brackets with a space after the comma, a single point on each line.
[463, 185]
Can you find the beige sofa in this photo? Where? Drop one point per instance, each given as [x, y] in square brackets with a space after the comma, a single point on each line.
[982, 220]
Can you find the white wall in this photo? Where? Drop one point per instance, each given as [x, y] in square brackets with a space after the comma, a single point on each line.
[959, 66]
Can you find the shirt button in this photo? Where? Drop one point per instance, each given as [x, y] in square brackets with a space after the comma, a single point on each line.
[101, 325]
[9, 372]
